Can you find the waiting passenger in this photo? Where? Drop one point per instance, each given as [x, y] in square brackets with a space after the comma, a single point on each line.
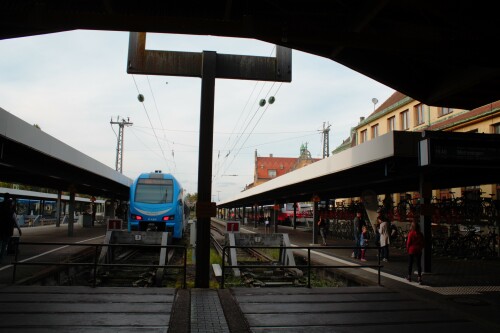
[383, 230]
[363, 242]
[323, 228]
[8, 222]
[414, 246]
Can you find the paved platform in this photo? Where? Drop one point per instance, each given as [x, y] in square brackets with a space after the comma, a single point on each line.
[50, 253]
[459, 295]
[40, 309]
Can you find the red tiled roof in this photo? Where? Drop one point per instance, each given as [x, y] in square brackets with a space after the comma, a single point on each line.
[393, 99]
[464, 116]
[282, 165]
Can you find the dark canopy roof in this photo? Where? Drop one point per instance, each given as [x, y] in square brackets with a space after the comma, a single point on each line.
[438, 52]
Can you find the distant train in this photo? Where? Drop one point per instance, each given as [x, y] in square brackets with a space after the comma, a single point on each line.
[156, 204]
[37, 208]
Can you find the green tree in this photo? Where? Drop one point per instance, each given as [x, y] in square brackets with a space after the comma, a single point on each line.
[191, 199]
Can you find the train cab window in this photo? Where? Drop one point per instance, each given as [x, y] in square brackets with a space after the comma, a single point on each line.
[154, 191]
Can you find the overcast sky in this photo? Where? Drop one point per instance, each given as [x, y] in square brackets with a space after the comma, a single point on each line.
[72, 84]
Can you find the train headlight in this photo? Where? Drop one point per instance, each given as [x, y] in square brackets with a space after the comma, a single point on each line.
[136, 217]
[168, 218]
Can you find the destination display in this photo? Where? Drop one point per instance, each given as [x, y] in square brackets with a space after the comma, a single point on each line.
[463, 152]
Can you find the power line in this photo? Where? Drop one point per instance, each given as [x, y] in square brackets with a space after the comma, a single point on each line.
[161, 123]
[141, 99]
[248, 135]
[144, 144]
[218, 165]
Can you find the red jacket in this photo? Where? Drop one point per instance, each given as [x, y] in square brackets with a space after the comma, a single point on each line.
[415, 242]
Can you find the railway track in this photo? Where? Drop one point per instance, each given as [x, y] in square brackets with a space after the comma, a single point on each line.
[256, 277]
[135, 268]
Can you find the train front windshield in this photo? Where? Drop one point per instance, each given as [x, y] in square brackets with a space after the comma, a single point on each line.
[154, 191]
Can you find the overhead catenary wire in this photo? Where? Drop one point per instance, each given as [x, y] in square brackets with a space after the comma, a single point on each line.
[218, 165]
[161, 122]
[152, 128]
[250, 97]
[147, 147]
[250, 133]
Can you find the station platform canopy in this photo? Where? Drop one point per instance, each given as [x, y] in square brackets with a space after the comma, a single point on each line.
[395, 162]
[31, 156]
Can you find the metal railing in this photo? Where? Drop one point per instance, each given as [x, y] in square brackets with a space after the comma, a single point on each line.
[95, 264]
[307, 266]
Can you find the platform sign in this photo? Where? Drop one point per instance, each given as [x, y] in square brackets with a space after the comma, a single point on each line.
[115, 224]
[463, 149]
[233, 226]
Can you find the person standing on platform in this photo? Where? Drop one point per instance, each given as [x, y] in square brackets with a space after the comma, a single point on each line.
[414, 247]
[323, 227]
[7, 223]
[267, 225]
[363, 242]
[358, 224]
[384, 232]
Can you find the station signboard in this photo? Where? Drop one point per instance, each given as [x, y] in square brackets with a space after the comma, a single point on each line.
[464, 149]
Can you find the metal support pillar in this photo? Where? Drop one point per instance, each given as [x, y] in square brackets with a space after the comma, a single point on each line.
[294, 215]
[205, 167]
[142, 61]
[254, 214]
[275, 217]
[425, 222]
[315, 222]
[71, 213]
[59, 207]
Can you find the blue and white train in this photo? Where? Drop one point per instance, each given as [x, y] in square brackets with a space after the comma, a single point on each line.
[156, 204]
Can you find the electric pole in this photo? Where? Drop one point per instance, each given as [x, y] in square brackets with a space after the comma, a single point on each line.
[326, 139]
[119, 145]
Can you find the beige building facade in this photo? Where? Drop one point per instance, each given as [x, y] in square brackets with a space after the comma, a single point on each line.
[403, 113]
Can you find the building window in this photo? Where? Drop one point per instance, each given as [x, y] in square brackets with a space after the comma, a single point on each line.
[405, 121]
[391, 123]
[374, 131]
[444, 111]
[496, 128]
[419, 114]
[271, 173]
[364, 136]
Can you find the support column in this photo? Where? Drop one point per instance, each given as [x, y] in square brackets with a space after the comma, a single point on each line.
[294, 216]
[425, 222]
[254, 214]
[58, 209]
[275, 217]
[71, 213]
[315, 222]
[205, 167]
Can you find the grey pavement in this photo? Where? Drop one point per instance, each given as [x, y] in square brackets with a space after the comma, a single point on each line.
[206, 312]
